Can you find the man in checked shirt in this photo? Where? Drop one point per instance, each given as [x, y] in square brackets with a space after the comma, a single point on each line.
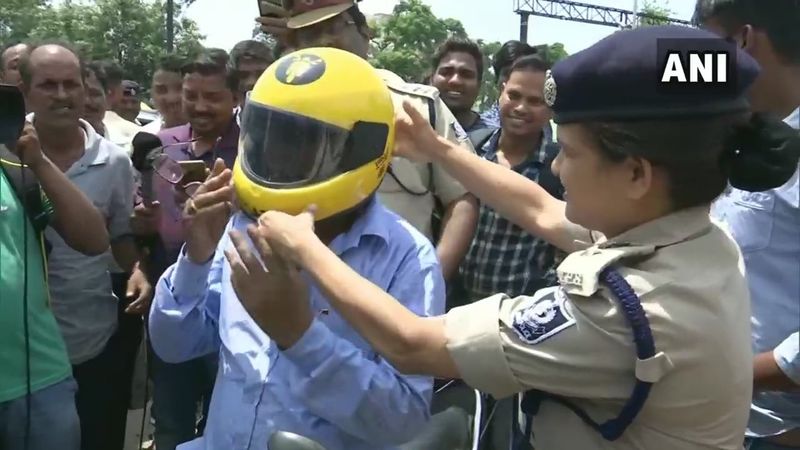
[502, 256]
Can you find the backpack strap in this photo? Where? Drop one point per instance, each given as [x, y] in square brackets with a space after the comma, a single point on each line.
[480, 136]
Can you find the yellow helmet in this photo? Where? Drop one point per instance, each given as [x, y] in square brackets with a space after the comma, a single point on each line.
[318, 128]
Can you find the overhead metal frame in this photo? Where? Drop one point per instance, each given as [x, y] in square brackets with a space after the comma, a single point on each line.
[582, 12]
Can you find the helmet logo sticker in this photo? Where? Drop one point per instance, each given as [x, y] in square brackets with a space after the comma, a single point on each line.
[300, 69]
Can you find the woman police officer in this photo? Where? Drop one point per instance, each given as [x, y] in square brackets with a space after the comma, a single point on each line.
[645, 344]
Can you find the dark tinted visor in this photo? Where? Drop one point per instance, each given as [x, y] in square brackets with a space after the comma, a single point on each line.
[282, 149]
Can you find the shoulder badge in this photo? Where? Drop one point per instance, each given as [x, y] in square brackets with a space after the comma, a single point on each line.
[550, 89]
[543, 316]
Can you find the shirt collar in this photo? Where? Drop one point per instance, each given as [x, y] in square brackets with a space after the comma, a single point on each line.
[374, 221]
[671, 229]
[794, 119]
[94, 154]
[540, 155]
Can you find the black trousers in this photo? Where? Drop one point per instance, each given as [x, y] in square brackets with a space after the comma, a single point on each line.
[104, 382]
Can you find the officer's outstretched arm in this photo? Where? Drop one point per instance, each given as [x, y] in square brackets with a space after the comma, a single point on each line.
[512, 195]
[412, 344]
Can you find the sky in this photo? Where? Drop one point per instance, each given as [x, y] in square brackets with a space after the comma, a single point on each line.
[490, 20]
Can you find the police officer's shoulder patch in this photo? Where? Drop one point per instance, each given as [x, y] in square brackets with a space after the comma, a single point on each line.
[542, 316]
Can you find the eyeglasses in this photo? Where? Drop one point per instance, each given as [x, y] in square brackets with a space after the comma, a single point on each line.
[171, 171]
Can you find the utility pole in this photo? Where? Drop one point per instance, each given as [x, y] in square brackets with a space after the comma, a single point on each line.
[523, 26]
[170, 25]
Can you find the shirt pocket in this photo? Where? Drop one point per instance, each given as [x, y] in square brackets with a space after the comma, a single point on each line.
[753, 223]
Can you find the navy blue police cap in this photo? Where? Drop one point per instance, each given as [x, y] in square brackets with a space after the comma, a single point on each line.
[621, 78]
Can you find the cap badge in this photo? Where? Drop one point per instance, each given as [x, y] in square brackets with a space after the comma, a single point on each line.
[549, 89]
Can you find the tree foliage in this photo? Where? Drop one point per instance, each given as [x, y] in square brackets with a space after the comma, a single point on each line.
[406, 40]
[654, 13]
[131, 32]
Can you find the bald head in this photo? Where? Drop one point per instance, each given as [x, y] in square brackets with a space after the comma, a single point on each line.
[53, 83]
[9, 63]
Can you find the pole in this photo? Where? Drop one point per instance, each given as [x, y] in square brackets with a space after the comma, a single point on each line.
[170, 25]
[523, 26]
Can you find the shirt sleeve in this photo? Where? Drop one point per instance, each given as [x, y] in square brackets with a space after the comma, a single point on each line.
[787, 355]
[184, 318]
[121, 206]
[362, 393]
[505, 346]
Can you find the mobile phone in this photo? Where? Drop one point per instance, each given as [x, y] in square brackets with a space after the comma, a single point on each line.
[12, 114]
[193, 171]
[270, 8]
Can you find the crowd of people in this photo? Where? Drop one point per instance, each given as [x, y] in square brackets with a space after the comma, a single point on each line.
[353, 242]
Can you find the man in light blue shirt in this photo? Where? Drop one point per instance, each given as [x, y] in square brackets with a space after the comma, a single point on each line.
[766, 225]
[330, 386]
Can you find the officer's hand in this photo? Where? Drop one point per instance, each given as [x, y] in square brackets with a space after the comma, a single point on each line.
[276, 297]
[28, 149]
[275, 26]
[207, 213]
[145, 219]
[415, 139]
[289, 236]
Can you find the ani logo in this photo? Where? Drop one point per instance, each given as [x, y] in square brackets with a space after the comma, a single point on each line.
[300, 69]
[550, 90]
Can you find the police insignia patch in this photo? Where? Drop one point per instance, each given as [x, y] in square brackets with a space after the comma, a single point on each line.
[543, 316]
[549, 89]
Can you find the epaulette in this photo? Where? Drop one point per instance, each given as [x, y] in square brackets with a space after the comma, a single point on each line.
[396, 84]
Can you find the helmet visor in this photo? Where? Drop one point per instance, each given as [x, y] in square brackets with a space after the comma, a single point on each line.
[282, 149]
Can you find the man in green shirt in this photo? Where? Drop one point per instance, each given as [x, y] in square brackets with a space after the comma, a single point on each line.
[37, 393]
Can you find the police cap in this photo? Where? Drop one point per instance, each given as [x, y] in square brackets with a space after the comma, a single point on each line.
[622, 77]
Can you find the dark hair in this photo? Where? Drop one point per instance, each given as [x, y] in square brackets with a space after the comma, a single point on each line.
[279, 49]
[701, 155]
[170, 63]
[219, 55]
[459, 45]
[508, 53]
[206, 64]
[112, 74]
[358, 17]
[250, 49]
[96, 68]
[25, 72]
[779, 19]
[530, 63]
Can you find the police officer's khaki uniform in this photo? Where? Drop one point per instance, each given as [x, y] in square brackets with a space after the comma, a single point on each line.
[422, 181]
[573, 340]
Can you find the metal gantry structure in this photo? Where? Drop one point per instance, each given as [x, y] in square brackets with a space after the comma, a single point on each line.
[582, 12]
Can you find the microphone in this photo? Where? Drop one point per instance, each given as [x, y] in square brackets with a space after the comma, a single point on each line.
[146, 147]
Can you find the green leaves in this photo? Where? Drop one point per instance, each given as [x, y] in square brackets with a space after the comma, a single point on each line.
[131, 32]
[406, 41]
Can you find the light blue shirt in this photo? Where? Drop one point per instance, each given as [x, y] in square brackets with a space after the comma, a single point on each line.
[331, 386]
[766, 225]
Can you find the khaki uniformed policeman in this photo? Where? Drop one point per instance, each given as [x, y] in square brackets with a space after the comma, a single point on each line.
[410, 189]
[646, 343]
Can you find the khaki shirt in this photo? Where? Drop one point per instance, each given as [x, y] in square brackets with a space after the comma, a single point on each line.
[572, 340]
[423, 180]
[119, 131]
